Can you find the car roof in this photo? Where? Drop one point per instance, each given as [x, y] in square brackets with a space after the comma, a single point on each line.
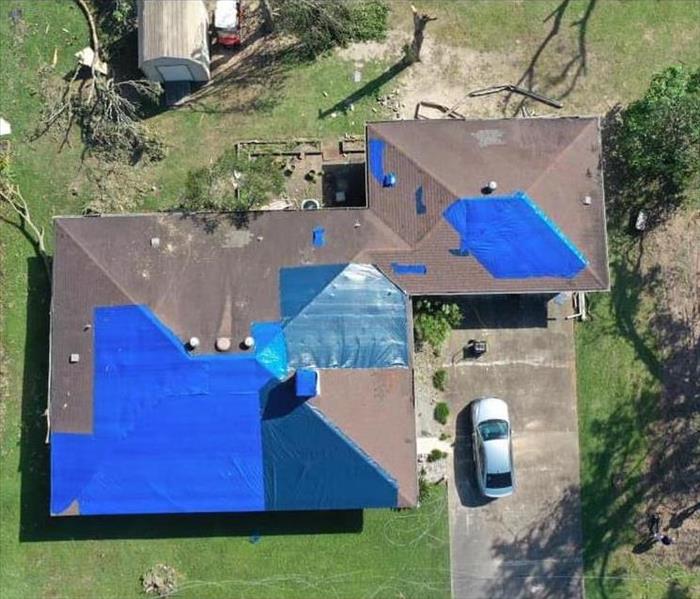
[497, 456]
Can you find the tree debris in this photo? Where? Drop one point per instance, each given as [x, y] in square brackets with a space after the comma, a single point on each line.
[160, 580]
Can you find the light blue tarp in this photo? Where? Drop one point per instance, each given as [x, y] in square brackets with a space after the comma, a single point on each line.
[343, 316]
[513, 238]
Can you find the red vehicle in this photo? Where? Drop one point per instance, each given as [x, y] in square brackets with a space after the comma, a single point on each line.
[227, 22]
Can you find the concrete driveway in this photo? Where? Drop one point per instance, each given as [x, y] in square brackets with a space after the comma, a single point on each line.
[529, 544]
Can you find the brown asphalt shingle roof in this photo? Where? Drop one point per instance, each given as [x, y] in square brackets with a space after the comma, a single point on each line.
[556, 161]
[212, 276]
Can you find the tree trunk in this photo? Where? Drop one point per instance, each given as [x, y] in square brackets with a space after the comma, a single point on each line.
[420, 20]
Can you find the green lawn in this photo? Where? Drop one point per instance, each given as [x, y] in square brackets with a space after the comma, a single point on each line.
[619, 393]
[381, 553]
[394, 554]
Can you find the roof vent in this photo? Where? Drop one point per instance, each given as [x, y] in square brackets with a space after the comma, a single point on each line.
[222, 344]
[248, 342]
[193, 343]
[390, 180]
[310, 204]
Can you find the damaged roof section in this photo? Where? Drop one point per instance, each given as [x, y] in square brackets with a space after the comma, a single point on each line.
[540, 229]
[262, 361]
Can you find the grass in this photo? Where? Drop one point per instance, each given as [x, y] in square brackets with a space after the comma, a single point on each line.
[619, 387]
[394, 553]
[381, 553]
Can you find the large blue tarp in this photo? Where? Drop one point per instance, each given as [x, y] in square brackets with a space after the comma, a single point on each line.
[175, 432]
[171, 433]
[513, 238]
[376, 149]
[348, 316]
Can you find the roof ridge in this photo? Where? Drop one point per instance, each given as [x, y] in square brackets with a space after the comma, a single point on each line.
[557, 158]
[416, 163]
[355, 446]
[94, 260]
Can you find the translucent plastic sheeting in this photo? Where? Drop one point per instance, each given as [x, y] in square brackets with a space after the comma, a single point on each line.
[343, 316]
[172, 432]
[311, 464]
[513, 238]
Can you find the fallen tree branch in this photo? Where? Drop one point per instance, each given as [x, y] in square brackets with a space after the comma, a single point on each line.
[11, 195]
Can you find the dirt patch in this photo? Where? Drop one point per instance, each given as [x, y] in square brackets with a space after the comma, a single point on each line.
[425, 363]
[445, 74]
[671, 271]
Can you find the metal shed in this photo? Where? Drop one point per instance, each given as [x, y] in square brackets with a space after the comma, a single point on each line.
[174, 40]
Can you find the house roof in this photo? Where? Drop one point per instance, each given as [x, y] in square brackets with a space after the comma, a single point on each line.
[316, 289]
[126, 304]
[554, 162]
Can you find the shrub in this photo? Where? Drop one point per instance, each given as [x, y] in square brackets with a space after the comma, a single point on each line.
[436, 454]
[440, 379]
[423, 488]
[444, 436]
[655, 144]
[369, 20]
[233, 183]
[441, 412]
[433, 321]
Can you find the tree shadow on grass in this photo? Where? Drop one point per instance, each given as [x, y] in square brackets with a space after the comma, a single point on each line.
[251, 80]
[369, 88]
[570, 72]
[37, 525]
[646, 453]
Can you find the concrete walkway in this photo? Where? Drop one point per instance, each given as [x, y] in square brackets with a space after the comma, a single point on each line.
[529, 544]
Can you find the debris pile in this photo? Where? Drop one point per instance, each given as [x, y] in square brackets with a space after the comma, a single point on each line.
[392, 102]
[160, 580]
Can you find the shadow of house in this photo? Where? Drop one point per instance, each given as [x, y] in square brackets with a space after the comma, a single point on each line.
[503, 311]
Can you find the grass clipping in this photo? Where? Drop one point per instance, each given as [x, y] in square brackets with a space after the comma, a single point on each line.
[160, 580]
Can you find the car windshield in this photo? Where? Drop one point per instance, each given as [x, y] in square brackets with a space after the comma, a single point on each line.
[493, 429]
[499, 481]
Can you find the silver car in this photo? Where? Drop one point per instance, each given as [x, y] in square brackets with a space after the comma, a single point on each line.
[493, 450]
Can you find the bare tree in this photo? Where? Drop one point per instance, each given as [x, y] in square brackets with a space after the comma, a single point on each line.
[420, 20]
[11, 196]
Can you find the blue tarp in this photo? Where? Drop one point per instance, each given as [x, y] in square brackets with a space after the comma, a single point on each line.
[348, 316]
[420, 201]
[176, 432]
[319, 237]
[409, 269]
[513, 238]
[310, 463]
[306, 382]
[376, 159]
[171, 432]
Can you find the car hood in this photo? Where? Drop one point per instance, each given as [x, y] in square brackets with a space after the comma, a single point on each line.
[491, 409]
